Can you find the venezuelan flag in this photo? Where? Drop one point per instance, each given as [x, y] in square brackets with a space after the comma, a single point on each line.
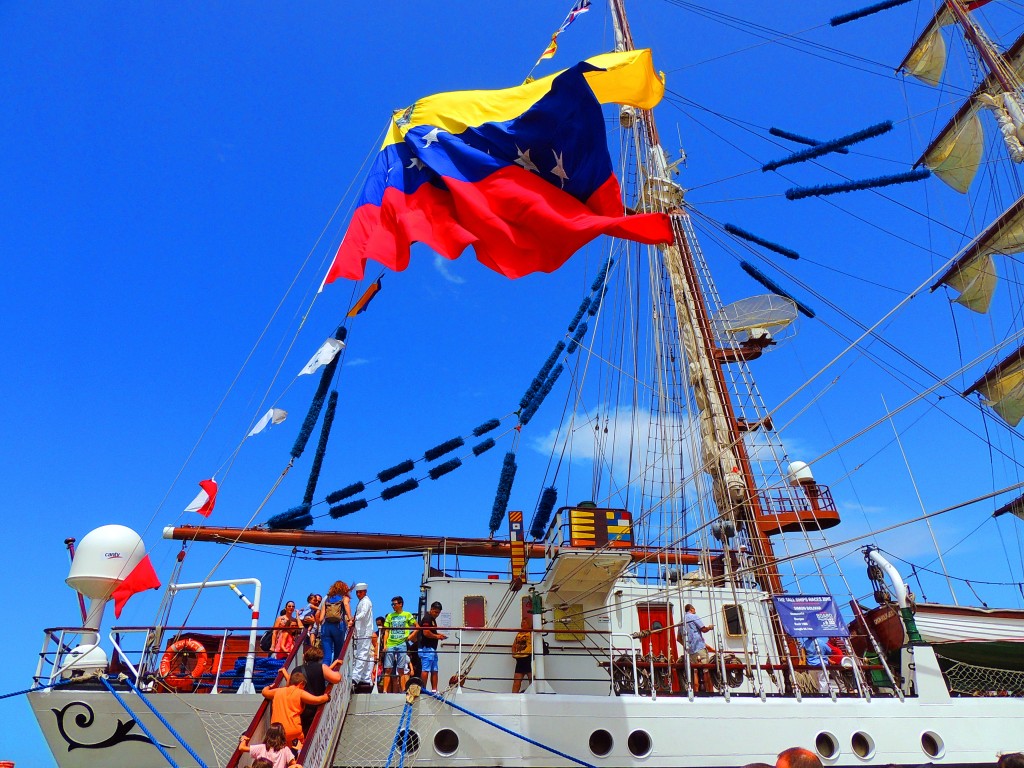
[521, 174]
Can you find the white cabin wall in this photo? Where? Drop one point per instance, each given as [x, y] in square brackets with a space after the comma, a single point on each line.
[576, 666]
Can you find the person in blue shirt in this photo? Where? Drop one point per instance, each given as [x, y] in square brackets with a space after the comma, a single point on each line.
[691, 635]
[815, 680]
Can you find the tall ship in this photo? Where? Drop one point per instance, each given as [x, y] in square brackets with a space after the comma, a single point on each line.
[663, 532]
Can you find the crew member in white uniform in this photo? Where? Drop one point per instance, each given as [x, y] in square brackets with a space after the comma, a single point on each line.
[363, 627]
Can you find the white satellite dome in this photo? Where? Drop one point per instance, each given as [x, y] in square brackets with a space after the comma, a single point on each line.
[799, 473]
[103, 559]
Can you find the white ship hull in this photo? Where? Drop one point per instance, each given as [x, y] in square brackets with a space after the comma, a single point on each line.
[677, 732]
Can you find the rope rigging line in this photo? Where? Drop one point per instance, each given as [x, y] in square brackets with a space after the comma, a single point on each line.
[503, 729]
[142, 725]
[145, 700]
[35, 688]
[773, 36]
[401, 740]
[918, 569]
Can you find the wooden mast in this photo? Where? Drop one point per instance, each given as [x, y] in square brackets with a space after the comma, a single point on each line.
[724, 451]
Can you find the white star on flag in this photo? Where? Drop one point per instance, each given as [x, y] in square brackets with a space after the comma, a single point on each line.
[273, 416]
[559, 169]
[525, 161]
[327, 352]
[431, 138]
[416, 163]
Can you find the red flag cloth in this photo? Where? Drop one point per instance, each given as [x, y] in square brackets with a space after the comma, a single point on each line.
[204, 502]
[526, 191]
[973, 4]
[141, 578]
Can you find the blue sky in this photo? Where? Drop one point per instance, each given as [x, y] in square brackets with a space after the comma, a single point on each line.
[167, 173]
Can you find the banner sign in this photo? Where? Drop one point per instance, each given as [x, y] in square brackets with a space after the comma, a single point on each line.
[810, 616]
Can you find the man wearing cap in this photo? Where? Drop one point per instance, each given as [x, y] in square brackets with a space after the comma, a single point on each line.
[363, 628]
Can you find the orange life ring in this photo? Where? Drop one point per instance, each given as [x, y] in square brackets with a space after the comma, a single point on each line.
[176, 655]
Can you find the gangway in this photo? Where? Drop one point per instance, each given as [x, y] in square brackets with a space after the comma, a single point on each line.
[325, 730]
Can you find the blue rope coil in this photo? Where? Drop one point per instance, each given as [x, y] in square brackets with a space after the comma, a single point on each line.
[443, 469]
[446, 447]
[842, 18]
[349, 490]
[830, 146]
[399, 469]
[483, 446]
[398, 489]
[548, 497]
[789, 253]
[599, 280]
[340, 510]
[803, 139]
[768, 283]
[505, 480]
[799, 193]
[486, 427]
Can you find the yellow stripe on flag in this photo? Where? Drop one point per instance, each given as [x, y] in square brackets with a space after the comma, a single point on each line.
[625, 77]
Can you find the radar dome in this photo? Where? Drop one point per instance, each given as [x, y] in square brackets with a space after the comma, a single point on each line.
[103, 559]
[799, 473]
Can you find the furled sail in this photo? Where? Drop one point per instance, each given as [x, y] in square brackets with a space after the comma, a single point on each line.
[1003, 387]
[973, 274]
[927, 57]
[955, 153]
[927, 60]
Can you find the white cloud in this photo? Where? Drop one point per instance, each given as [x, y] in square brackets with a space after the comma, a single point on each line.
[442, 265]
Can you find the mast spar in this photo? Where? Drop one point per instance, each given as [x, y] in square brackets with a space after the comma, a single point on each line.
[723, 451]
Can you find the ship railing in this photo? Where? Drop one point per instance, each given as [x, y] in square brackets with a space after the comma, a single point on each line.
[53, 664]
[137, 652]
[631, 670]
[779, 499]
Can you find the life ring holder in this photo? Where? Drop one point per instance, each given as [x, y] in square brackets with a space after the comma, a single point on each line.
[175, 680]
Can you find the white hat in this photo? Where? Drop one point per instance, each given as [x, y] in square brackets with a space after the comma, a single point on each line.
[360, 586]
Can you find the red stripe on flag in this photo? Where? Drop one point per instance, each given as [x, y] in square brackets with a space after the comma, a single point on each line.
[516, 222]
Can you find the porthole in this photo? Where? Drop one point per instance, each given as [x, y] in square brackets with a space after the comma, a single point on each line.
[932, 744]
[601, 743]
[863, 746]
[446, 742]
[413, 743]
[827, 745]
[639, 743]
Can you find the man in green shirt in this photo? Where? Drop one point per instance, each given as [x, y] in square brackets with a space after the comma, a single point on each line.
[398, 626]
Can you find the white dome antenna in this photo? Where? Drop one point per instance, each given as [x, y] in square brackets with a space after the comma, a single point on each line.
[104, 558]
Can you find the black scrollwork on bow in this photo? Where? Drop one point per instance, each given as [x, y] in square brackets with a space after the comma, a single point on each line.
[84, 720]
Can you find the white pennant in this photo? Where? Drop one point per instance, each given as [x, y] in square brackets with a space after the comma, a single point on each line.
[273, 416]
[327, 352]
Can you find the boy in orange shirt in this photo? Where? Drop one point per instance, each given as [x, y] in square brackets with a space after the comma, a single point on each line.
[287, 703]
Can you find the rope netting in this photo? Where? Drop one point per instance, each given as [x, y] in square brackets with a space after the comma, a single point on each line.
[982, 681]
[368, 737]
[223, 730]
